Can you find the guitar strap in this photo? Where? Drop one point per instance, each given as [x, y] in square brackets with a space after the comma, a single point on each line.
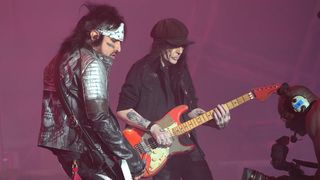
[93, 147]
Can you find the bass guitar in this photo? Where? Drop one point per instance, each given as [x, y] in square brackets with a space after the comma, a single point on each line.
[155, 155]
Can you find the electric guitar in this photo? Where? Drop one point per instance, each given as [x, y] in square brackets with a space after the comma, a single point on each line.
[156, 155]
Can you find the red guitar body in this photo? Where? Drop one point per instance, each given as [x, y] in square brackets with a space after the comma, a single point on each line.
[156, 156]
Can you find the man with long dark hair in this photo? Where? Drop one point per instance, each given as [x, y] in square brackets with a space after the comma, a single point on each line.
[159, 82]
[77, 123]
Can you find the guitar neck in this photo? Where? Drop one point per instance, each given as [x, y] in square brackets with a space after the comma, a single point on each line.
[207, 116]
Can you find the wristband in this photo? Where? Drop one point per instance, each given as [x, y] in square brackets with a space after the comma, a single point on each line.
[150, 125]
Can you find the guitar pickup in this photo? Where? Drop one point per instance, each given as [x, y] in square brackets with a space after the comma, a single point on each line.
[152, 143]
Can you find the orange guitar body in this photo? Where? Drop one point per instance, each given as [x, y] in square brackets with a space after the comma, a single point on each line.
[155, 156]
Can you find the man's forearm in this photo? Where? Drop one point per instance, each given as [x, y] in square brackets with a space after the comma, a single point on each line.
[134, 119]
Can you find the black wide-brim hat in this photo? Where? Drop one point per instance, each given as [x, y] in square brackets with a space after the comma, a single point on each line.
[172, 31]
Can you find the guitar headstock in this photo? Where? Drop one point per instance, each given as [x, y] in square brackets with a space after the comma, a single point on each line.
[262, 93]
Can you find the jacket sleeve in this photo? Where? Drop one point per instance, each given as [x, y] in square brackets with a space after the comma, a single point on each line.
[95, 86]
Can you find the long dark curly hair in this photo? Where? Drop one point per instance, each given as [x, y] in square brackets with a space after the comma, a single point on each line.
[98, 14]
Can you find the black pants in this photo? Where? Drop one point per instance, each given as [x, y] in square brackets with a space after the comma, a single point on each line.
[87, 170]
[182, 166]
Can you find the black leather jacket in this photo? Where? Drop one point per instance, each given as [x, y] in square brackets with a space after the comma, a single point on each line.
[83, 76]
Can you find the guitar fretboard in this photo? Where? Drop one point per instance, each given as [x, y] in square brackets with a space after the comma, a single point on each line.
[207, 116]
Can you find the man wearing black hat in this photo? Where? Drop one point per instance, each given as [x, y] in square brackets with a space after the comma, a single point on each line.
[159, 82]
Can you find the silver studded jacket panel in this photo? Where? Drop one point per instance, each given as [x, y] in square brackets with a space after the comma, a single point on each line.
[94, 81]
[95, 75]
